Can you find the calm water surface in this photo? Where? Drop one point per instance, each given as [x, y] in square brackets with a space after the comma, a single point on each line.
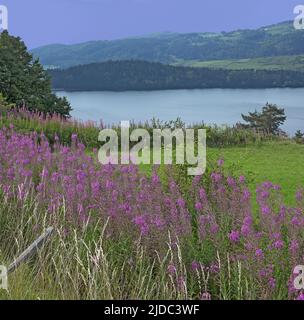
[219, 106]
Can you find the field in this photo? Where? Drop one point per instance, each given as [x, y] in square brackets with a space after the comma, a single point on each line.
[280, 163]
[126, 233]
[137, 231]
[294, 63]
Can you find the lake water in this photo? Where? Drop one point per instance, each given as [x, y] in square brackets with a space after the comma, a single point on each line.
[219, 106]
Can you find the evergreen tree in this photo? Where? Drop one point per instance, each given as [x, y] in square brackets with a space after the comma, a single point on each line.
[270, 119]
[23, 81]
[299, 137]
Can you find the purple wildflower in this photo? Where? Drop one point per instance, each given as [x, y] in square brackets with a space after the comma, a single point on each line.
[234, 236]
[259, 253]
[195, 265]
[205, 296]
[171, 269]
[242, 179]
[220, 162]
[300, 297]
[198, 206]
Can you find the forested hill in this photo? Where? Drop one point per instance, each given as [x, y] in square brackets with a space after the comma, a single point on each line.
[276, 40]
[141, 75]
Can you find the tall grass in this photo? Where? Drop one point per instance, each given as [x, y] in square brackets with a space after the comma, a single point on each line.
[25, 121]
[122, 234]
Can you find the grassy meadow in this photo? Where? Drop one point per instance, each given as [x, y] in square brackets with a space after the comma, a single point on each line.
[294, 63]
[150, 232]
[278, 162]
[123, 232]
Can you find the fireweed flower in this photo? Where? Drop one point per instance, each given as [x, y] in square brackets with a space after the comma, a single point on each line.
[245, 230]
[249, 246]
[205, 296]
[294, 246]
[181, 283]
[220, 162]
[301, 296]
[242, 179]
[74, 137]
[140, 206]
[214, 268]
[155, 179]
[195, 265]
[216, 177]
[266, 210]
[295, 221]
[109, 184]
[246, 195]
[214, 228]
[263, 273]
[197, 179]
[247, 220]
[259, 253]
[267, 185]
[279, 244]
[265, 195]
[159, 222]
[282, 213]
[272, 283]
[181, 203]
[276, 236]
[299, 196]
[198, 206]
[171, 269]
[231, 182]
[234, 236]
[202, 194]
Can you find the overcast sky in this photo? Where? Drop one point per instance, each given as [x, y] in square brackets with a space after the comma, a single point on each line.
[41, 22]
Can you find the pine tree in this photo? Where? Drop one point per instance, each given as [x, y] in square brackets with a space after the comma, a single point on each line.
[299, 137]
[270, 119]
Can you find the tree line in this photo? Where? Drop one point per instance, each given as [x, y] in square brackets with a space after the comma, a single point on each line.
[142, 75]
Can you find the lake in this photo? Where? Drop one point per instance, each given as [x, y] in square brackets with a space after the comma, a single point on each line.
[218, 106]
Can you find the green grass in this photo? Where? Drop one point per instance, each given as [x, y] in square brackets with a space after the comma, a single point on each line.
[69, 257]
[279, 162]
[67, 269]
[294, 63]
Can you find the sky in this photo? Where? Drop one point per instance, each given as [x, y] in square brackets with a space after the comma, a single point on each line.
[41, 22]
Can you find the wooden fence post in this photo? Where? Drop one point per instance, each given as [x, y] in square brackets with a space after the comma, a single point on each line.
[31, 250]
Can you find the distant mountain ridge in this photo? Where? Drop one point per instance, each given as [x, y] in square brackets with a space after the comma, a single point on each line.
[169, 48]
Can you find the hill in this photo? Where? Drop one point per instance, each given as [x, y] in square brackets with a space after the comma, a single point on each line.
[142, 75]
[295, 63]
[271, 41]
